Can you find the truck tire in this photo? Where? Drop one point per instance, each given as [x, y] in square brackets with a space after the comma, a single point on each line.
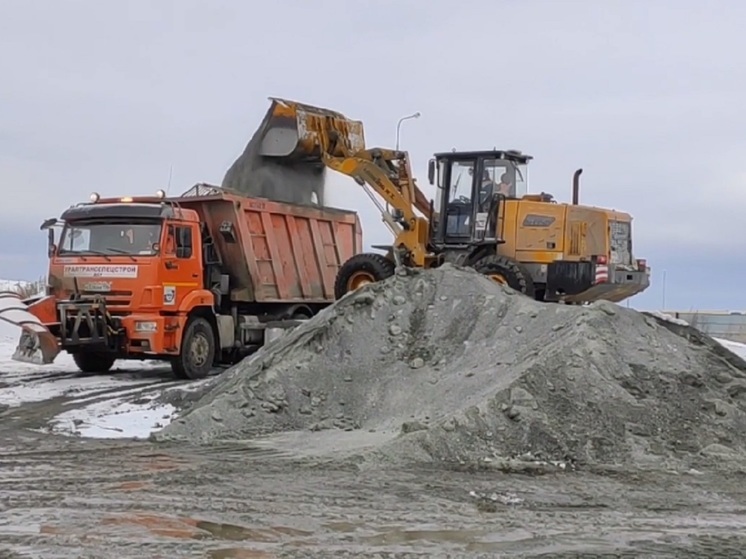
[506, 272]
[197, 351]
[94, 362]
[360, 270]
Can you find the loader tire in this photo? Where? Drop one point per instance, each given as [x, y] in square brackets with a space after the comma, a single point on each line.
[94, 362]
[360, 270]
[506, 272]
[197, 351]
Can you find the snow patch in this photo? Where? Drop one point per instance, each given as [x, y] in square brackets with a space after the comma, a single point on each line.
[668, 318]
[112, 419]
[25, 382]
[736, 347]
[120, 404]
[115, 405]
[12, 285]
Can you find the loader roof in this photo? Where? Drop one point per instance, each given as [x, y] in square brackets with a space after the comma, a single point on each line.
[512, 155]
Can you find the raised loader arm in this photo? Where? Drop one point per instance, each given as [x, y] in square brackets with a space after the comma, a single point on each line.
[302, 134]
[378, 170]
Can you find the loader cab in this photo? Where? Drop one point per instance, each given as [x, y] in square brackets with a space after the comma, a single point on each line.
[471, 187]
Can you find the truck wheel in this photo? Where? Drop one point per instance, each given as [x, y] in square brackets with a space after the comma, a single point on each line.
[360, 270]
[506, 271]
[197, 351]
[94, 362]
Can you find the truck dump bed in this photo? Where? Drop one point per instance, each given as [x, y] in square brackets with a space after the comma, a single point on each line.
[275, 251]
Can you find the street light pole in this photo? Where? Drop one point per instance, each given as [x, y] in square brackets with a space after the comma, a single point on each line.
[398, 125]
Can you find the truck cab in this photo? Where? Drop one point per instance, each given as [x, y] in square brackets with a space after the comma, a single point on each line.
[122, 277]
[198, 280]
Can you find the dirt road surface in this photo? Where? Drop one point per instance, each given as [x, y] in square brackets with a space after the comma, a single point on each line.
[71, 498]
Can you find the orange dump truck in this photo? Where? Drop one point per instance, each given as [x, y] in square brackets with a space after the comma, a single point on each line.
[196, 280]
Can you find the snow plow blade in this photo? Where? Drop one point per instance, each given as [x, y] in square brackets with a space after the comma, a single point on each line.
[295, 131]
[37, 344]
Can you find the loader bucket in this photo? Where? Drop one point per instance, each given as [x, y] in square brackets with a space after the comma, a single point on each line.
[37, 344]
[295, 131]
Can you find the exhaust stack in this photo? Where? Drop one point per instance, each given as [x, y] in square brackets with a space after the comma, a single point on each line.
[576, 187]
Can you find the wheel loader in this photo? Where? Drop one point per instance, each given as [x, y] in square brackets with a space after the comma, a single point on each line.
[482, 216]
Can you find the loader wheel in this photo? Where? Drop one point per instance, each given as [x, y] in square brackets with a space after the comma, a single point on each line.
[361, 270]
[197, 351]
[506, 272]
[93, 362]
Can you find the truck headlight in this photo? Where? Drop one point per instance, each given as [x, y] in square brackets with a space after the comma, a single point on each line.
[146, 326]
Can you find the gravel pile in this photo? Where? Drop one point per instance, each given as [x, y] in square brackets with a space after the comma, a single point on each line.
[446, 366]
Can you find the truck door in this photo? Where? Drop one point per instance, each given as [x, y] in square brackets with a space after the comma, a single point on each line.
[181, 273]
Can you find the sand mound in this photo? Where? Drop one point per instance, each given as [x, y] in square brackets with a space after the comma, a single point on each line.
[452, 367]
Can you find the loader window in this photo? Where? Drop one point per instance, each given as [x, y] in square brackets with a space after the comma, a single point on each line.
[508, 177]
[459, 207]
[462, 177]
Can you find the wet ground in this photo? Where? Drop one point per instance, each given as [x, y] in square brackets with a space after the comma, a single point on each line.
[63, 495]
[60, 399]
[70, 497]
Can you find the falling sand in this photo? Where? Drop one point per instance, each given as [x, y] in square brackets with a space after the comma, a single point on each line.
[298, 182]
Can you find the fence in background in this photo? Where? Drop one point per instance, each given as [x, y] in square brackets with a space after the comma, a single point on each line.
[718, 324]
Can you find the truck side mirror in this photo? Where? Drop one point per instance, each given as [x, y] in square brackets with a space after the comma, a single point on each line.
[51, 248]
[431, 171]
[47, 223]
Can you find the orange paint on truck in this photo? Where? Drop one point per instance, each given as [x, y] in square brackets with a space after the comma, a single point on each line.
[198, 277]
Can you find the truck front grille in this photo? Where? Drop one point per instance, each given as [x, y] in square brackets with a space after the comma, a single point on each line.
[114, 299]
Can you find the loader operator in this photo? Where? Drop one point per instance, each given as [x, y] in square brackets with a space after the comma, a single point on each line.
[486, 190]
[505, 187]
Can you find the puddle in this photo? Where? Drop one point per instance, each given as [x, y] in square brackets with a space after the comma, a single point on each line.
[232, 532]
[256, 448]
[158, 462]
[343, 527]
[239, 553]
[128, 486]
[181, 528]
[49, 530]
[470, 541]
[398, 536]
[516, 540]
[194, 529]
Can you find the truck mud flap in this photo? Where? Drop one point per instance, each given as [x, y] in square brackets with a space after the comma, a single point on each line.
[37, 344]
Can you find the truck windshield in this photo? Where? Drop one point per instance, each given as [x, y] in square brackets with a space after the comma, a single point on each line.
[110, 238]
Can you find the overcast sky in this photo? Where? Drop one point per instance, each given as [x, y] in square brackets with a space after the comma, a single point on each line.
[646, 96]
